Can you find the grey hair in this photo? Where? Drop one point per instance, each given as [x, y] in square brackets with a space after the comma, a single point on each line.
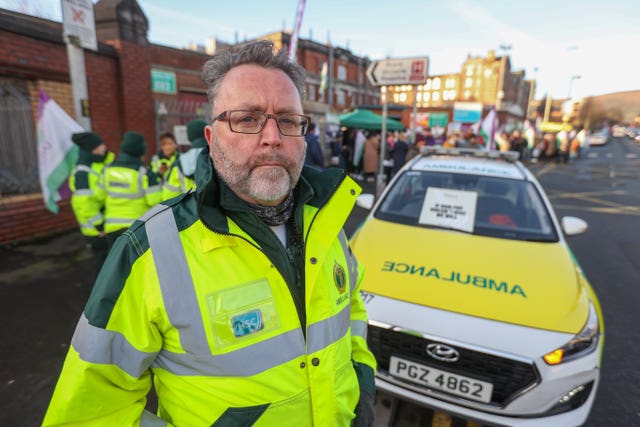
[261, 53]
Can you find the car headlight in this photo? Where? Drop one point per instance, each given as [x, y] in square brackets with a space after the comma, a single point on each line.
[584, 342]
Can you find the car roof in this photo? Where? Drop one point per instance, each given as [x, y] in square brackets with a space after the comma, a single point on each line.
[469, 161]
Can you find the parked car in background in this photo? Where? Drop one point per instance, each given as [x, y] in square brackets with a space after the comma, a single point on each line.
[618, 131]
[476, 305]
[600, 137]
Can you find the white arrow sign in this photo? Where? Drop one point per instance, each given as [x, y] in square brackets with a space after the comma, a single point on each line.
[398, 71]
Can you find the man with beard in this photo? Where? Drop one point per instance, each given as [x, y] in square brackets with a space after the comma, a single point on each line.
[239, 300]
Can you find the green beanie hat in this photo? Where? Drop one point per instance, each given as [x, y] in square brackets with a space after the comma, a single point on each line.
[195, 133]
[133, 143]
[87, 140]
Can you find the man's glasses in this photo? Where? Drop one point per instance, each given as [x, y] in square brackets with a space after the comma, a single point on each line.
[252, 122]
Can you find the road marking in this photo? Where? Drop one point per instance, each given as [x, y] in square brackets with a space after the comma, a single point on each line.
[606, 206]
[546, 169]
[597, 209]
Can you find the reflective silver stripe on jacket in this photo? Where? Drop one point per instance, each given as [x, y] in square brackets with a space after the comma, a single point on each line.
[178, 294]
[125, 195]
[183, 185]
[359, 328]
[83, 192]
[119, 221]
[96, 219]
[85, 168]
[327, 331]
[97, 345]
[154, 189]
[243, 362]
[127, 185]
[175, 280]
[171, 188]
[151, 420]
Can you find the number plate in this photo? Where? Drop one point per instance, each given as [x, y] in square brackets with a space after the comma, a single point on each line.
[437, 379]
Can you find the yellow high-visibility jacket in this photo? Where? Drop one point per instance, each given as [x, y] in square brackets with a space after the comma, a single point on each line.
[129, 190]
[176, 182]
[88, 203]
[188, 295]
[157, 160]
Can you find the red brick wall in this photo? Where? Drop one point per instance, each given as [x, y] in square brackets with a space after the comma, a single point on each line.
[137, 100]
[105, 101]
[33, 58]
[24, 218]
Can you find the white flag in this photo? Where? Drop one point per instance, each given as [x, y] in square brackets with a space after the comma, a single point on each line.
[488, 129]
[57, 154]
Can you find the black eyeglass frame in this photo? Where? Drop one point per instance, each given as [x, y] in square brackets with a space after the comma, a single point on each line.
[224, 116]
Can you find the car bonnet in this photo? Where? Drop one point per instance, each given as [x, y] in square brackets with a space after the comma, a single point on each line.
[531, 284]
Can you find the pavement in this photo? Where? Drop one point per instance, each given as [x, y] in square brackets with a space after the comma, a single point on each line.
[43, 288]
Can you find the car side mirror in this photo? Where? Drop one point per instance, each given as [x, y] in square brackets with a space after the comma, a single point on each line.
[365, 201]
[572, 225]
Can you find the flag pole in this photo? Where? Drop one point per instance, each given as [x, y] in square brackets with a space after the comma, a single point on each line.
[293, 45]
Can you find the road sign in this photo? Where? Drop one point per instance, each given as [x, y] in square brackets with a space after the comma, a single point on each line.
[398, 71]
[163, 81]
[78, 21]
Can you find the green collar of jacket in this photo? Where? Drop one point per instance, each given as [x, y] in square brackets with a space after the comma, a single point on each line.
[127, 161]
[314, 187]
[87, 157]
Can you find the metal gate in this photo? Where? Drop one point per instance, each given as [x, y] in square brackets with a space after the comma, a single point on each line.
[178, 112]
[18, 142]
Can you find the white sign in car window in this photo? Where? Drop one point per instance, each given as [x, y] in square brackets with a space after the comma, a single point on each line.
[449, 208]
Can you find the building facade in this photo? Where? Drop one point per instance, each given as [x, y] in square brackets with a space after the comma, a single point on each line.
[487, 80]
[133, 85]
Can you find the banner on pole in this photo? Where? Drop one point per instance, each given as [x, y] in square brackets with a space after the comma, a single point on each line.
[57, 154]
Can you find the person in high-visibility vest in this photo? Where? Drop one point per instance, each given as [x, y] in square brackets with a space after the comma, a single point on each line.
[240, 301]
[86, 200]
[180, 177]
[163, 159]
[128, 187]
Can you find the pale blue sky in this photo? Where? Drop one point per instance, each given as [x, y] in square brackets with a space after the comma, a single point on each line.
[597, 40]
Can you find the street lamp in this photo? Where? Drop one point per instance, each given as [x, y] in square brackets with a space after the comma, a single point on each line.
[503, 60]
[576, 77]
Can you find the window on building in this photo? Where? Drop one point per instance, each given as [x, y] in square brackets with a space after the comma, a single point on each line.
[450, 83]
[468, 82]
[426, 96]
[342, 72]
[340, 97]
[435, 96]
[436, 83]
[449, 95]
[467, 94]
[487, 72]
[470, 70]
[428, 84]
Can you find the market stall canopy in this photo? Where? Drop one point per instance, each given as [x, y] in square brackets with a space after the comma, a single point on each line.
[365, 119]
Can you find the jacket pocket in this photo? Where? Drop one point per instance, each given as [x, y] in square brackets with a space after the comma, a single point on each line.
[240, 417]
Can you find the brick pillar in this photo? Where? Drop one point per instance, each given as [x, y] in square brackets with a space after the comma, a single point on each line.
[123, 25]
[138, 108]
